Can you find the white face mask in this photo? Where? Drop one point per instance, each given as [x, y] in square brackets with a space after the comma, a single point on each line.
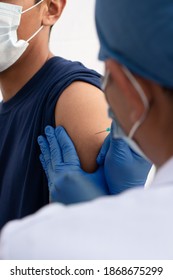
[117, 130]
[118, 133]
[11, 48]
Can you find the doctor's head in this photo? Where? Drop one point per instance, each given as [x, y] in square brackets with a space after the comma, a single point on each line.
[136, 44]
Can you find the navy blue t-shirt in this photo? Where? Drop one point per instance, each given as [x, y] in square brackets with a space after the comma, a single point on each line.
[23, 185]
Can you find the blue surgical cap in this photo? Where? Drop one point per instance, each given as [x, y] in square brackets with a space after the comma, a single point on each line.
[139, 35]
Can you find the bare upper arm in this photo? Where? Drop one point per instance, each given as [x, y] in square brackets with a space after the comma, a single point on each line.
[82, 111]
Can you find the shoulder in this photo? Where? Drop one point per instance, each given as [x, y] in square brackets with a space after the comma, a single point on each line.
[106, 225]
[70, 71]
[82, 111]
[73, 65]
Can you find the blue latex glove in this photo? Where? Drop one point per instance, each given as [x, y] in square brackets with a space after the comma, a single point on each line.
[67, 182]
[123, 168]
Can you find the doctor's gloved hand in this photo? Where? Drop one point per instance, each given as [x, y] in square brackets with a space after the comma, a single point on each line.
[123, 168]
[67, 182]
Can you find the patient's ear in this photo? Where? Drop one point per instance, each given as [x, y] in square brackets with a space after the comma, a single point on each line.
[53, 10]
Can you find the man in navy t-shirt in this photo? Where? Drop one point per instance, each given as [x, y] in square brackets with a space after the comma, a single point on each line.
[32, 81]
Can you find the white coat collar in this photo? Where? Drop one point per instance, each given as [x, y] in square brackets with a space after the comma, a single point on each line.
[164, 175]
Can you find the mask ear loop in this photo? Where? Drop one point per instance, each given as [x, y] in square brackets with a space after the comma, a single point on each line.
[35, 33]
[40, 27]
[32, 7]
[141, 93]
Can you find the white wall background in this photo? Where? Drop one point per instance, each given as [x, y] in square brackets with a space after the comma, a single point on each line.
[74, 35]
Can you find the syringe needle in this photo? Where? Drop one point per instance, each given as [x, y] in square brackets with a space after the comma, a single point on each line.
[106, 130]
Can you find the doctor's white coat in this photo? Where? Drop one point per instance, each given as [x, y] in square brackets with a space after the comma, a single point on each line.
[134, 225]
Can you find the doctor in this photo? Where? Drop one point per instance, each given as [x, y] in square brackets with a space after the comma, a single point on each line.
[137, 46]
